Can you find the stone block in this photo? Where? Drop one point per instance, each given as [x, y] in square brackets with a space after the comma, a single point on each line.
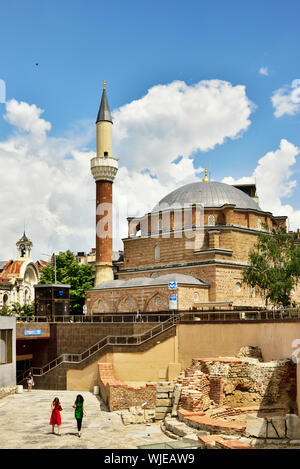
[162, 395]
[165, 409]
[293, 426]
[295, 442]
[276, 427]
[165, 387]
[149, 414]
[163, 402]
[160, 415]
[256, 426]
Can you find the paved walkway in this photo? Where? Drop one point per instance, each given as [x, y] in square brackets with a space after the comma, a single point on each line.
[24, 424]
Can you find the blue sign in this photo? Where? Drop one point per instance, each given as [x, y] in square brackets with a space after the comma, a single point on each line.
[172, 285]
[33, 332]
[61, 292]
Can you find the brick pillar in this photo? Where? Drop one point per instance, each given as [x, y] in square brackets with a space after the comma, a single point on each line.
[214, 239]
[103, 231]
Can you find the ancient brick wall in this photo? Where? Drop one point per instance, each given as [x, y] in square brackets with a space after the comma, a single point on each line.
[238, 382]
[119, 395]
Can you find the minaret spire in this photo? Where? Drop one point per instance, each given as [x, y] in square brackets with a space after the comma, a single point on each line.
[206, 178]
[104, 111]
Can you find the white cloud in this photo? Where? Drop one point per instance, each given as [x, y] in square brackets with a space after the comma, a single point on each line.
[47, 181]
[286, 100]
[178, 120]
[264, 71]
[273, 178]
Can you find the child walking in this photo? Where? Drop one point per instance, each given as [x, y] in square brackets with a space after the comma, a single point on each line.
[79, 407]
[55, 416]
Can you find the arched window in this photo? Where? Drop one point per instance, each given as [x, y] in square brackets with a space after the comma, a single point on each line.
[259, 224]
[238, 286]
[5, 299]
[158, 301]
[211, 220]
[157, 252]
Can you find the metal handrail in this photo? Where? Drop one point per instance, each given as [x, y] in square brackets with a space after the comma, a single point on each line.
[159, 317]
[135, 339]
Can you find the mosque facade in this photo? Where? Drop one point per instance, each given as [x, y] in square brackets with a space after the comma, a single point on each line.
[188, 253]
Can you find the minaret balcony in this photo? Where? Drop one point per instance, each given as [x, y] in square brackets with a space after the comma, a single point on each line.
[104, 169]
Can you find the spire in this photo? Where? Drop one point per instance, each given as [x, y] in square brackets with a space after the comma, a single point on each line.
[104, 111]
[206, 179]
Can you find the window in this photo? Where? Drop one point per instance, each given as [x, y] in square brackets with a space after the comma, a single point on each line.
[157, 252]
[128, 302]
[211, 220]
[5, 299]
[259, 223]
[238, 286]
[158, 301]
[5, 346]
[106, 153]
[196, 297]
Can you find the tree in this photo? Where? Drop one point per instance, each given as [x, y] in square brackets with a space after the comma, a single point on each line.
[5, 311]
[68, 271]
[274, 266]
[16, 309]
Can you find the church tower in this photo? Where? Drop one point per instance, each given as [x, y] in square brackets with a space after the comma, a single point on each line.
[24, 247]
[104, 169]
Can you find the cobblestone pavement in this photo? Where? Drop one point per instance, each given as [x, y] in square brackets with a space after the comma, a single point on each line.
[24, 424]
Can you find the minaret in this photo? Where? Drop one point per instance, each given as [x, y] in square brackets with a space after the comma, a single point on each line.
[104, 169]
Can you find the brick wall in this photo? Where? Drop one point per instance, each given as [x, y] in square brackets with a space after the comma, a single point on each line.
[118, 395]
[238, 382]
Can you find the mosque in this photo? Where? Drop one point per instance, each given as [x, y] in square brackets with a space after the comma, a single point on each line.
[187, 254]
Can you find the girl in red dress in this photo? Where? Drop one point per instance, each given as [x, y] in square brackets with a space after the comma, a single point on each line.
[55, 416]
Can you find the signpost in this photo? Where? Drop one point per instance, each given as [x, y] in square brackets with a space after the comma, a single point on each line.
[173, 301]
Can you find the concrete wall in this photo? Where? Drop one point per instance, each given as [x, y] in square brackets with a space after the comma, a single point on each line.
[214, 340]
[8, 371]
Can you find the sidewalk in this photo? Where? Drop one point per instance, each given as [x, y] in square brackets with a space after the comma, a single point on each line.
[24, 424]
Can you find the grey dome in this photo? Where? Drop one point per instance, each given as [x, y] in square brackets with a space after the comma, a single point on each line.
[210, 194]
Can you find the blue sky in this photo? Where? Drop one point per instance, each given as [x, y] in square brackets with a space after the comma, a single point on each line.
[137, 45]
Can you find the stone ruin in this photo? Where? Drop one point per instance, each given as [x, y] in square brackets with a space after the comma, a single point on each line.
[227, 386]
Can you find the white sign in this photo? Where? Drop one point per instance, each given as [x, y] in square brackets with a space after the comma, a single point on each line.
[173, 301]
[172, 285]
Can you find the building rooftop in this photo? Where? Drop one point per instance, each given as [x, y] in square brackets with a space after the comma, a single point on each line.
[211, 194]
[149, 281]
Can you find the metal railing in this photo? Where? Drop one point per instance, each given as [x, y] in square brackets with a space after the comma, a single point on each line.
[136, 339]
[162, 316]
[101, 318]
[237, 316]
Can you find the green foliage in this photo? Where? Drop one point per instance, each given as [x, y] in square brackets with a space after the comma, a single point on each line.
[16, 309]
[274, 266]
[5, 311]
[68, 271]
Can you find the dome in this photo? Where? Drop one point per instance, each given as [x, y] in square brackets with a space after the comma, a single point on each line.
[210, 194]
